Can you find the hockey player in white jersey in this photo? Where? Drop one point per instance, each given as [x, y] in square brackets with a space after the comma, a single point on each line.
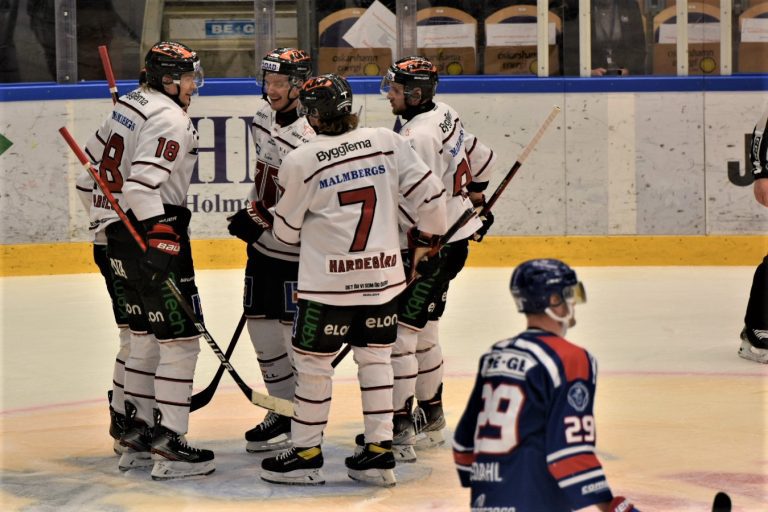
[437, 133]
[146, 150]
[340, 202]
[526, 439]
[271, 273]
[96, 205]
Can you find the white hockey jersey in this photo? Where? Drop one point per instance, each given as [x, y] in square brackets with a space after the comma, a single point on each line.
[146, 150]
[272, 143]
[456, 156]
[340, 201]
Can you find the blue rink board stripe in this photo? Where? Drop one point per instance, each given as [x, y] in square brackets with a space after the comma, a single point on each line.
[471, 84]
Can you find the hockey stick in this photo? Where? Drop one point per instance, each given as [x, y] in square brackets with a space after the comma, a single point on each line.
[722, 503]
[463, 219]
[278, 405]
[201, 398]
[107, 65]
[520, 159]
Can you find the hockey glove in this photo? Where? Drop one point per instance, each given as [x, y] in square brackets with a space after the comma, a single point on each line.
[426, 258]
[261, 215]
[242, 225]
[621, 504]
[486, 217]
[162, 247]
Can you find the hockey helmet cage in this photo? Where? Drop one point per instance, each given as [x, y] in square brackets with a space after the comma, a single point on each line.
[295, 63]
[325, 97]
[173, 59]
[412, 72]
[535, 281]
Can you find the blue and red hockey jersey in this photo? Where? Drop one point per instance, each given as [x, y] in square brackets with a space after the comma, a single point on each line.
[526, 440]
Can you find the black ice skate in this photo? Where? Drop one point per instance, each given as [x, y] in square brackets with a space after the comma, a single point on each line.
[429, 421]
[372, 463]
[754, 345]
[404, 433]
[174, 458]
[135, 442]
[116, 425]
[296, 466]
[274, 433]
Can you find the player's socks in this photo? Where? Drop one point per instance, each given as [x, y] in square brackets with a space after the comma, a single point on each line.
[274, 433]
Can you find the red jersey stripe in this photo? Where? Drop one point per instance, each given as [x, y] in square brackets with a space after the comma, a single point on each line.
[572, 465]
[574, 359]
[463, 458]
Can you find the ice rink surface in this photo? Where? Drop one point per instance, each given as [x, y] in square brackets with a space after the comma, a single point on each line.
[679, 415]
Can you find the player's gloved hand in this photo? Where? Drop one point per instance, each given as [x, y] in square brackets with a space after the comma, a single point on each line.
[426, 253]
[261, 215]
[621, 504]
[486, 217]
[242, 225]
[163, 245]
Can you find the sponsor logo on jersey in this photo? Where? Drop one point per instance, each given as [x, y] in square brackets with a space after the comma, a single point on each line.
[309, 319]
[594, 487]
[578, 396]
[380, 322]
[352, 175]
[485, 472]
[417, 297]
[447, 123]
[459, 144]
[370, 261]
[137, 97]
[508, 363]
[342, 150]
[120, 118]
[479, 506]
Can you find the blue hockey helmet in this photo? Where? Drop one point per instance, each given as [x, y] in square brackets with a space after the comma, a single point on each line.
[534, 282]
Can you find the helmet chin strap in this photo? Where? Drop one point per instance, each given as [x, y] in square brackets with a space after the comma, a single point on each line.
[564, 321]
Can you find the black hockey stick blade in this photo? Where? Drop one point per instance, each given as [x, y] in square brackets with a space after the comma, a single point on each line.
[722, 503]
[202, 398]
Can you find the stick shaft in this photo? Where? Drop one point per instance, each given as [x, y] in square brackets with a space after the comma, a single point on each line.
[107, 65]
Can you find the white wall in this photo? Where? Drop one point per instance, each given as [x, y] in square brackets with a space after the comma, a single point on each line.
[611, 164]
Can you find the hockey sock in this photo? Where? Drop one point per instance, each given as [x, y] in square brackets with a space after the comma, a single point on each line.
[173, 382]
[404, 365]
[268, 339]
[118, 373]
[140, 370]
[312, 402]
[374, 372]
[430, 357]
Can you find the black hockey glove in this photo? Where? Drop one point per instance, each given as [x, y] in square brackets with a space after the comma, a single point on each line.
[244, 227]
[485, 217]
[425, 248]
[261, 215]
[162, 247]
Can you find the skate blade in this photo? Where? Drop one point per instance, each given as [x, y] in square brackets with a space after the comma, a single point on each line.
[132, 460]
[747, 351]
[404, 453]
[429, 440]
[380, 477]
[297, 477]
[173, 469]
[281, 442]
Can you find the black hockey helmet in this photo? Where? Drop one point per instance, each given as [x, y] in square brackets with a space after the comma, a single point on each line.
[325, 97]
[295, 63]
[173, 59]
[412, 72]
[535, 281]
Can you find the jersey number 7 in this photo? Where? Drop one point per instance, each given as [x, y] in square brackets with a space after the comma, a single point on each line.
[366, 196]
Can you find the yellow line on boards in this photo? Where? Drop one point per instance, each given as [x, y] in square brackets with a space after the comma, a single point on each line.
[494, 251]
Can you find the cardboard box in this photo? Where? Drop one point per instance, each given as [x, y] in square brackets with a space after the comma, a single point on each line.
[354, 61]
[518, 60]
[753, 58]
[452, 61]
[703, 59]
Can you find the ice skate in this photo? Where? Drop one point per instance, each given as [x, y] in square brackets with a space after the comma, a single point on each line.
[404, 434]
[274, 433]
[754, 345]
[296, 466]
[173, 458]
[373, 463]
[135, 442]
[429, 421]
[116, 425]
